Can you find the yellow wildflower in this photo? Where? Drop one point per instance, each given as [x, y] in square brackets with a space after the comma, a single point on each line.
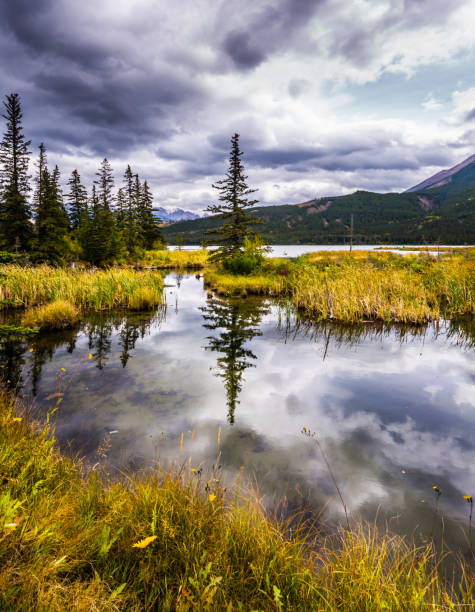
[145, 542]
[89, 356]
[193, 470]
[63, 369]
[16, 419]
[468, 498]
[31, 350]
[212, 497]
[242, 467]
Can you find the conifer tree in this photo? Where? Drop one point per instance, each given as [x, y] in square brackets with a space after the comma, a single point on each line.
[77, 199]
[149, 229]
[51, 220]
[16, 229]
[130, 220]
[233, 197]
[40, 165]
[120, 210]
[100, 238]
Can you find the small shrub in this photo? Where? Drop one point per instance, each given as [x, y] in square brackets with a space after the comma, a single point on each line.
[57, 315]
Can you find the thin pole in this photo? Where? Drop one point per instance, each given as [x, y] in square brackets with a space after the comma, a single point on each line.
[351, 234]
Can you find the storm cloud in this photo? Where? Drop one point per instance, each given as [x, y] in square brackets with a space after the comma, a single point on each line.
[307, 83]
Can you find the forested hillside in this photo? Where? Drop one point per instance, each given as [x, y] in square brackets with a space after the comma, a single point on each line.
[445, 213]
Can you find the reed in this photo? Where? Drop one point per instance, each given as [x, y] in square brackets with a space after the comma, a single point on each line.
[234, 285]
[165, 259]
[359, 286]
[55, 315]
[71, 538]
[96, 289]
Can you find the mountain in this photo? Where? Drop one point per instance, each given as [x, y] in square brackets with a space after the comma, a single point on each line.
[443, 177]
[178, 214]
[442, 208]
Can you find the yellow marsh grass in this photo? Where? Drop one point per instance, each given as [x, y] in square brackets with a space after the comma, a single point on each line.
[364, 285]
[55, 315]
[260, 284]
[351, 292]
[67, 540]
[176, 259]
[98, 289]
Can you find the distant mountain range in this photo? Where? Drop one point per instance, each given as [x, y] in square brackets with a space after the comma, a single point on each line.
[177, 214]
[439, 208]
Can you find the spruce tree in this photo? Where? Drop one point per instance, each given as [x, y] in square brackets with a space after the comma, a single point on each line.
[40, 165]
[150, 231]
[16, 230]
[100, 238]
[120, 209]
[51, 221]
[130, 220]
[77, 199]
[233, 197]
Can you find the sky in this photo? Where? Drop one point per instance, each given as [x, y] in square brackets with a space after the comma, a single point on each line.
[328, 96]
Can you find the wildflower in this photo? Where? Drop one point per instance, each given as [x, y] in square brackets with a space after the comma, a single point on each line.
[63, 369]
[193, 470]
[16, 419]
[437, 490]
[145, 542]
[468, 498]
[89, 356]
[31, 350]
[212, 497]
[242, 467]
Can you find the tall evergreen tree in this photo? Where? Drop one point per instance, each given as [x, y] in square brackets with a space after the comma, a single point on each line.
[120, 210]
[149, 230]
[77, 199]
[130, 220]
[100, 238]
[51, 220]
[16, 229]
[233, 197]
[40, 165]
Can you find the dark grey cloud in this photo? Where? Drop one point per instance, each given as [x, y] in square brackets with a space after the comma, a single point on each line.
[269, 29]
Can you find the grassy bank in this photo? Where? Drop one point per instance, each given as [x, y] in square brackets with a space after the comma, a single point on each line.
[92, 288]
[363, 285]
[164, 259]
[71, 539]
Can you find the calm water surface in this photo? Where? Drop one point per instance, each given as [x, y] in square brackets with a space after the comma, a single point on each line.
[393, 408]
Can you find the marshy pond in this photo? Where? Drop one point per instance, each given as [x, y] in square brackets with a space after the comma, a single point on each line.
[393, 407]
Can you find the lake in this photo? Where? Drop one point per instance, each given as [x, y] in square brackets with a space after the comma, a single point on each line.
[393, 407]
[294, 250]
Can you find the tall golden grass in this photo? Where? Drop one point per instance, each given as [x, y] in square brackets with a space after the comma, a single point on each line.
[71, 539]
[97, 289]
[363, 285]
[55, 315]
[164, 259]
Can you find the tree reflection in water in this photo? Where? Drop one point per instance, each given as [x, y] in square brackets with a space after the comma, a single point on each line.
[238, 322]
[99, 329]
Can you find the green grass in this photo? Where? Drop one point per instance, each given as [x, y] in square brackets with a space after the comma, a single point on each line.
[363, 285]
[67, 537]
[91, 288]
